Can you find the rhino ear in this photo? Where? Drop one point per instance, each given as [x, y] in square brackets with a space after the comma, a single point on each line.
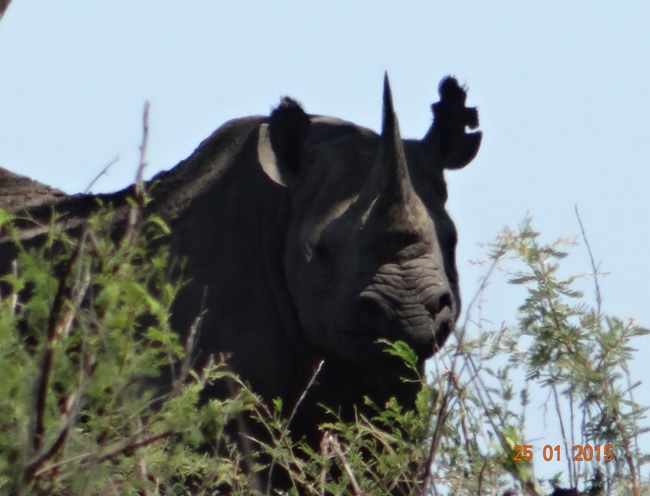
[280, 142]
[447, 136]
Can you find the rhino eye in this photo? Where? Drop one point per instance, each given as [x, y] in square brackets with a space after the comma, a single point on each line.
[323, 255]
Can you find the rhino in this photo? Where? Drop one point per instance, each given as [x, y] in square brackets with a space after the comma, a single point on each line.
[306, 240]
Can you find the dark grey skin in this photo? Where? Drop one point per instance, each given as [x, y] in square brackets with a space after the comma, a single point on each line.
[308, 238]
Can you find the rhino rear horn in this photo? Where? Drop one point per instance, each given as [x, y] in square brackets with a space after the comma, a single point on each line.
[280, 141]
[451, 117]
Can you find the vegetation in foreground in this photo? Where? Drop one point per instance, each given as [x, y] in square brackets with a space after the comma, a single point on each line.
[84, 334]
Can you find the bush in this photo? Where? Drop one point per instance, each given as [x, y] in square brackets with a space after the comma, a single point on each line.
[563, 350]
[84, 333]
[84, 336]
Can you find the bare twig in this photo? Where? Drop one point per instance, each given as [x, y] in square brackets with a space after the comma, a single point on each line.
[235, 386]
[572, 424]
[135, 209]
[594, 268]
[443, 412]
[460, 336]
[192, 338]
[14, 296]
[453, 371]
[57, 318]
[310, 384]
[190, 344]
[479, 485]
[117, 449]
[573, 476]
[139, 186]
[479, 292]
[487, 404]
[72, 408]
[59, 323]
[330, 444]
[306, 390]
[101, 173]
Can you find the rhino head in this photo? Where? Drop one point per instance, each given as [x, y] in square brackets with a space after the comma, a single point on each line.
[370, 250]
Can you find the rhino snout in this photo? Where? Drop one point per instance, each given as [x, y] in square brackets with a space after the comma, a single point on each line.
[416, 309]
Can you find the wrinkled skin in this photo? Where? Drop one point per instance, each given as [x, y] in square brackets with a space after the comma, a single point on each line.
[308, 238]
[372, 263]
[370, 249]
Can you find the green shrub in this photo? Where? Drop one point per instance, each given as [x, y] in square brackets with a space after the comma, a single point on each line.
[84, 335]
[84, 332]
[563, 350]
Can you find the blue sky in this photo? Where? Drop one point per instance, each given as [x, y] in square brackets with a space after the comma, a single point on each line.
[563, 90]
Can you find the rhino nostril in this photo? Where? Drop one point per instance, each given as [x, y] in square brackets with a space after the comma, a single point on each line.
[444, 300]
[438, 303]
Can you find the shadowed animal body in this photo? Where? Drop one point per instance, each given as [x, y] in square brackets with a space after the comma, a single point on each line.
[306, 239]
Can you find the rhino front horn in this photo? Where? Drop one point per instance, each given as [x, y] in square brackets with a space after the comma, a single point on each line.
[392, 160]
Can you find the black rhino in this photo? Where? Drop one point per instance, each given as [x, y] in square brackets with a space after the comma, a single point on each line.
[307, 239]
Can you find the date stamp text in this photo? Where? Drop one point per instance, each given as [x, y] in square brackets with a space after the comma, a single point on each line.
[581, 453]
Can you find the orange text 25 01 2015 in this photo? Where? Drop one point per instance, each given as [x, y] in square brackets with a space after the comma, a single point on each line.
[581, 453]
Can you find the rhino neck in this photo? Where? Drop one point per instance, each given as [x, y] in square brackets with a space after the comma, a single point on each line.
[230, 226]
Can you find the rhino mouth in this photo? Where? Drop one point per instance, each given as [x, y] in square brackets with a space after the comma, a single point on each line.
[423, 325]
